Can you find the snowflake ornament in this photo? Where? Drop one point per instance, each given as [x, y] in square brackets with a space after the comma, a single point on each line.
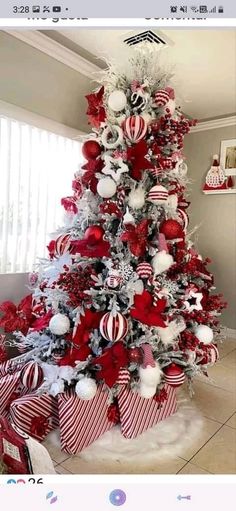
[193, 301]
[114, 167]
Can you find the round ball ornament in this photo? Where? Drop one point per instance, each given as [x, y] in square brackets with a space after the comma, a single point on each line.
[112, 137]
[62, 244]
[117, 100]
[135, 128]
[59, 324]
[135, 355]
[144, 270]
[94, 234]
[106, 187]
[113, 281]
[113, 328]
[174, 375]
[32, 376]
[138, 101]
[86, 389]
[161, 98]
[204, 334]
[158, 195]
[171, 229]
[91, 149]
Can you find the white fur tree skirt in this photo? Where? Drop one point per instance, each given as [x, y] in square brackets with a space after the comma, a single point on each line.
[170, 438]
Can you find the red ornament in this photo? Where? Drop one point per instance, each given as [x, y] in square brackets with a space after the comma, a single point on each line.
[174, 375]
[94, 234]
[171, 229]
[91, 149]
[135, 355]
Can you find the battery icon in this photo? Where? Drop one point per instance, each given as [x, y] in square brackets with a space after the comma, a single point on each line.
[220, 9]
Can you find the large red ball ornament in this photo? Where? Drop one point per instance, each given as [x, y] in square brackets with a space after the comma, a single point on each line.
[113, 328]
[32, 375]
[94, 234]
[171, 229]
[174, 375]
[91, 149]
[135, 355]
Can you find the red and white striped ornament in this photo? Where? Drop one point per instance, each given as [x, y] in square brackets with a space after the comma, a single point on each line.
[32, 375]
[184, 218]
[156, 172]
[158, 195]
[57, 357]
[161, 97]
[113, 281]
[144, 270]
[135, 128]
[120, 193]
[123, 377]
[113, 327]
[62, 244]
[174, 375]
[210, 356]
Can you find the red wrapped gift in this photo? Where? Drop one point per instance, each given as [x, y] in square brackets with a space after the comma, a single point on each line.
[82, 422]
[10, 366]
[10, 389]
[138, 414]
[35, 414]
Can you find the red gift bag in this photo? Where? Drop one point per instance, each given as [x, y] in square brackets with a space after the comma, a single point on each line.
[82, 422]
[35, 414]
[138, 414]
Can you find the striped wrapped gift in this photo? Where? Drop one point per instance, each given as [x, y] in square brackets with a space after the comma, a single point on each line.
[82, 422]
[35, 414]
[10, 366]
[138, 414]
[10, 389]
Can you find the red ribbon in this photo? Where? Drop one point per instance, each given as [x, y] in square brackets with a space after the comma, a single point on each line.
[39, 425]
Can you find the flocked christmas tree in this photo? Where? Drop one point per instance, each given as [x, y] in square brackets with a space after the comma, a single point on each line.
[124, 293]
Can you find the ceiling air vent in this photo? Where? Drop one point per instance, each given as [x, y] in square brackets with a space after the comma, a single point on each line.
[146, 36]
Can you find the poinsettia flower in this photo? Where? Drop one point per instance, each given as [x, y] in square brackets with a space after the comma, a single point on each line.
[111, 361]
[144, 311]
[74, 355]
[88, 322]
[101, 249]
[136, 156]
[69, 203]
[17, 317]
[136, 237]
[42, 322]
[77, 187]
[89, 178]
[96, 111]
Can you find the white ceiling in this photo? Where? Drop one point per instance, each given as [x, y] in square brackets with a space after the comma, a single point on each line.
[204, 62]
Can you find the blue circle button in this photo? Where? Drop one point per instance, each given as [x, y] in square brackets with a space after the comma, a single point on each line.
[117, 497]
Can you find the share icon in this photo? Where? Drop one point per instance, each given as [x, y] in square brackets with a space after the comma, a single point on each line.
[184, 497]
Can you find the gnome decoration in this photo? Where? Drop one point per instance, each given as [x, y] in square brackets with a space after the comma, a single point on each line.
[215, 178]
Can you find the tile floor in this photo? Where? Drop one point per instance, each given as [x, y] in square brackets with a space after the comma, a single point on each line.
[214, 452]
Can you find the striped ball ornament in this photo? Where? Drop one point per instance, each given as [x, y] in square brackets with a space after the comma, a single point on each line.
[62, 244]
[174, 375]
[135, 128]
[113, 281]
[144, 270]
[113, 328]
[32, 376]
[161, 98]
[158, 195]
[183, 216]
[211, 355]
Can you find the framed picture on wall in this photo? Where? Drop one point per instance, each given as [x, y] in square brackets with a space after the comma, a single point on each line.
[228, 156]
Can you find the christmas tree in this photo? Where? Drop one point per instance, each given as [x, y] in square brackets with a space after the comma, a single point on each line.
[124, 297]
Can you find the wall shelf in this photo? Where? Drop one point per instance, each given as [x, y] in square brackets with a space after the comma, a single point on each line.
[219, 192]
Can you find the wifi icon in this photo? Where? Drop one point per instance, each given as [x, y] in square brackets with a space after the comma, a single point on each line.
[51, 497]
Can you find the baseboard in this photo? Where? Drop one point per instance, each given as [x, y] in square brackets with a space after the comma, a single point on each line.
[231, 332]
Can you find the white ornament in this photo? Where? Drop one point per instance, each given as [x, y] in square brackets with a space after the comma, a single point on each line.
[161, 262]
[86, 389]
[106, 187]
[59, 324]
[120, 119]
[150, 377]
[158, 195]
[191, 356]
[117, 100]
[112, 137]
[181, 168]
[196, 297]
[128, 218]
[204, 334]
[171, 331]
[114, 167]
[136, 199]
[57, 388]
[170, 106]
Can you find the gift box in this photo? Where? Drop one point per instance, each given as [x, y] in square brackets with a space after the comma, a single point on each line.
[35, 414]
[10, 389]
[82, 422]
[10, 366]
[138, 414]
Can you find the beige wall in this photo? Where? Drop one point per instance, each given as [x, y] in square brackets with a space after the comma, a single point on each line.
[32, 80]
[216, 214]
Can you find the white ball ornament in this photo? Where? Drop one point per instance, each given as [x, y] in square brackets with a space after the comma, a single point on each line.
[204, 334]
[161, 262]
[86, 389]
[117, 100]
[59, 324]
[106, 187]
[128, 218]
[158, 195]
[136, 199]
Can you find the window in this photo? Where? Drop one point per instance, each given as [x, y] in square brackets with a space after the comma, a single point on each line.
[36, 169]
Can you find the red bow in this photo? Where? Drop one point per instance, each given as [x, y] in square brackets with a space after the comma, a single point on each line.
[113, 413]
[90, 321]
[69, 203]
[39, 426]
[144, 311]
[17, 318]
[96, 111]
[111, 361]
[136, 156]
[136, 237]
